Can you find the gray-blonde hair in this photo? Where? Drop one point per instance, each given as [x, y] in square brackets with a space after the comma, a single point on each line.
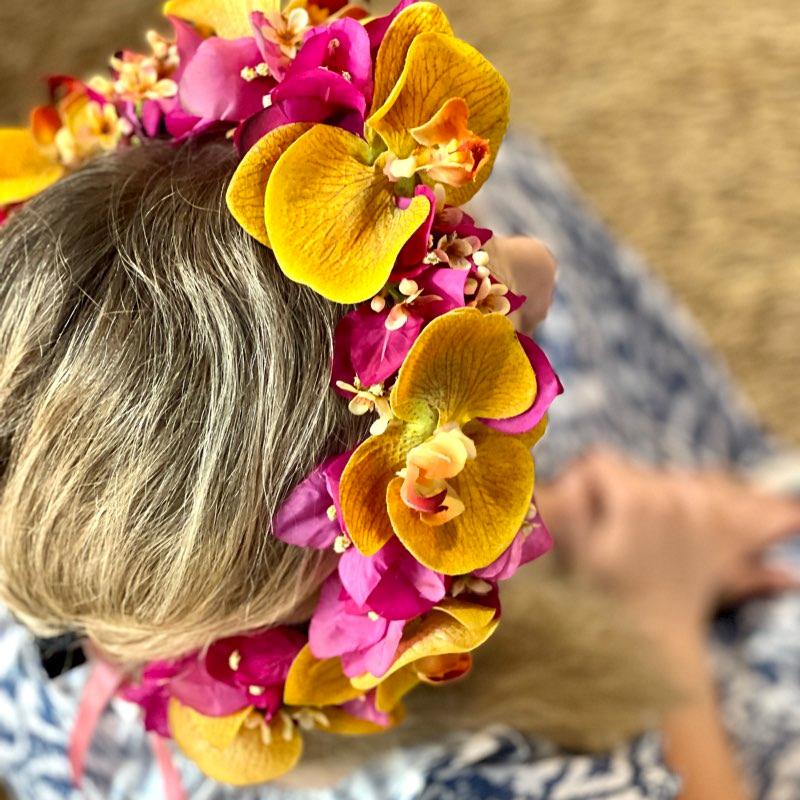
[162, 388]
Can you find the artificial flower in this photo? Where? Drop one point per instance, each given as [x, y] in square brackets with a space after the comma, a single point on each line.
[371, 345]
[151, 692]
[330, 80]
[391, 583]
[79, 124]
[330, 203]
[212, 87]
[532, 542]
[26, 167]
[340, 627]
[465, 488]
[256, 664]
[434, 651]
[230, 19]
[317, 95]
[548, 387]
[241, 749]
[241, 672]
[311, 516]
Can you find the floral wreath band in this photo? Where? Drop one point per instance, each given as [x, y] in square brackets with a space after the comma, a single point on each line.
[360, 139]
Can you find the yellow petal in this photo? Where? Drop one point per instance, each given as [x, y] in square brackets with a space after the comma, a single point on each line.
[438, 634]
[394, 688]
[465, 364]
[245, 759]
[473, 616]
[496, 489]
[25, 169]
[315, 682]
[438, 68]
[345, 724]
[229, 19]
[532, 437]
[365, 480]
[217, 731]
[333, 220]
[409, 23]
[248, 187]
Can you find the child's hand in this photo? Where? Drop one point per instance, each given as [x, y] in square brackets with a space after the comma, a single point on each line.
[670, 545]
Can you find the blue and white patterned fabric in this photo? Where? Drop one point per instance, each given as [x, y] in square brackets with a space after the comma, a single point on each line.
[638, 376]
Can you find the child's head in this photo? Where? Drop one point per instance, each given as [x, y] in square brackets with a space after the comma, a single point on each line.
[162, 388]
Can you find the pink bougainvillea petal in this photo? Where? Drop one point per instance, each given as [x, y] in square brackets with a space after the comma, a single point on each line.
[548, 387]
[365, 348]
[303, 518]
[410, 260]
[341, 47]
[212, 87]
[528, 545]
[391, 583]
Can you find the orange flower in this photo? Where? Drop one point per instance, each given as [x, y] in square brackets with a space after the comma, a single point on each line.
[433, 650]
[454, 491]
[327, 202]
[244, 748]
[59, 137]
[230, 19]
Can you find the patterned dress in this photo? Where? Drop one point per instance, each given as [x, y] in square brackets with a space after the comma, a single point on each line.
[638, 376]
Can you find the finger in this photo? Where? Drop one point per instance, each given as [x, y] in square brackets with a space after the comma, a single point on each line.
[529, 268]
[762, 581]
[780, 518]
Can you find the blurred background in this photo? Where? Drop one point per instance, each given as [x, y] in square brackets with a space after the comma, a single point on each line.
[679, 119]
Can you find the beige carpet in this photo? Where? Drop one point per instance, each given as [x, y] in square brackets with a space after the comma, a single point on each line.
[680, 120]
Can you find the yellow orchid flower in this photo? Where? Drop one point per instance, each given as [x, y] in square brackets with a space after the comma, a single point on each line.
[59, 137]
[434, 651]
[239, 749]
[244, 748]
[327, 201]
[454, 491]
[230, 19]
[26, 168]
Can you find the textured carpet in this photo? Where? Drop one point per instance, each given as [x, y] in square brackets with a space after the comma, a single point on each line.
[680, 120]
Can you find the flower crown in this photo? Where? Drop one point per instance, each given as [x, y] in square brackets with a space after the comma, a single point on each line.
[360, 138]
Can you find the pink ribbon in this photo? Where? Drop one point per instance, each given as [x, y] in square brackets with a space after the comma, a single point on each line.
[103, 683]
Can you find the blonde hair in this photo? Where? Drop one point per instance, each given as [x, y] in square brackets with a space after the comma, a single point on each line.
[162, 388]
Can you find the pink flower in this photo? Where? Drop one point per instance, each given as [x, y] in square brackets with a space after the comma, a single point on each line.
[316, 95]
[391, 583]
[305, 519]
[371, 345]
[235, 673]
[256, 664]
[366, 349]
[376, 28]
[364, 708]
[365, 641]
[166, 111]
[411, 260]
[214, 86]
[530, 543]
[548, 387]
[152, 692]
[342, 47]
